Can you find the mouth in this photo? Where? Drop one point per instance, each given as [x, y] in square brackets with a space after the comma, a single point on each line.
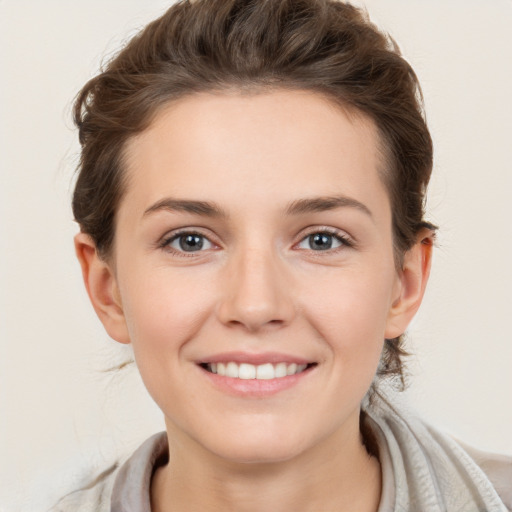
[247, 371]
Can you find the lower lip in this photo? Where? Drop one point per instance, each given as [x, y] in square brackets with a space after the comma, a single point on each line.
[255, 387]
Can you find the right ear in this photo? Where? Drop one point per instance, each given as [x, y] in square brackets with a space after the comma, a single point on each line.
[101, 284]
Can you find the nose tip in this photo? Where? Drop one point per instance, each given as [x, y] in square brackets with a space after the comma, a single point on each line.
[256, 295]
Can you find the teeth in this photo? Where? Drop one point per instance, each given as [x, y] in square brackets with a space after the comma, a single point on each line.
[265, 372]
[291, 369]
[281, 370]
[247, 371]
[232, 370]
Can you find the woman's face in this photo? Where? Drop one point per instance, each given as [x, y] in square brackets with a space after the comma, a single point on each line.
[255, 240]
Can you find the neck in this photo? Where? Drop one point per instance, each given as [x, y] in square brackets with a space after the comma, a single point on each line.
[337, 474]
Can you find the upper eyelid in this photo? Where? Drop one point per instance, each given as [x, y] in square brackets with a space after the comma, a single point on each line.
[175, 233]
[325, 229]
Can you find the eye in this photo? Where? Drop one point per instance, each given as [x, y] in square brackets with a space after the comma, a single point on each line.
[322, 241]
[189, 242]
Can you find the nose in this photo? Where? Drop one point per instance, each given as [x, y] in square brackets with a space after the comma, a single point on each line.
[256, 292]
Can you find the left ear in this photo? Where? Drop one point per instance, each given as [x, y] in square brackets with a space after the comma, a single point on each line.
[412, 281]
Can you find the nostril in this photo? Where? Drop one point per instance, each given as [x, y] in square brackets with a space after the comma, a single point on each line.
[255, 324]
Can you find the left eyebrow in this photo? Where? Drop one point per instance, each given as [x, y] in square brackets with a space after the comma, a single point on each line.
[321, 204]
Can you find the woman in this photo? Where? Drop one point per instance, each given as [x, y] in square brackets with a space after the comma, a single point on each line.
[251, 204]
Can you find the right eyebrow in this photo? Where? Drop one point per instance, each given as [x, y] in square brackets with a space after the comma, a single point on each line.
[204, 208]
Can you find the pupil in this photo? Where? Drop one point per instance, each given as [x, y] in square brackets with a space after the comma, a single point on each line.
[191, 242]
[320, 241]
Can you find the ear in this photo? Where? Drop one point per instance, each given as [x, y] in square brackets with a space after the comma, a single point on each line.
[411, 284]
[101, 284]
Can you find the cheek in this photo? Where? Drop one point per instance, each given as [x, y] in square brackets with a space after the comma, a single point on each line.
[163, 311]
[349, 310]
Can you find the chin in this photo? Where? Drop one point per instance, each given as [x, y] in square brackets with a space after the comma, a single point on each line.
[262, 446]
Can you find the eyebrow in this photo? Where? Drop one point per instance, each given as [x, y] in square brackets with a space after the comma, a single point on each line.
[298, 207]
[320, 204]
[204, 208]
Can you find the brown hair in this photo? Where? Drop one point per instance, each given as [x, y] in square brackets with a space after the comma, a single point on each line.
[325, 46]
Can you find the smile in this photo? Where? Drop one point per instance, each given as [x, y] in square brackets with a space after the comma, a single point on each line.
[246, 371]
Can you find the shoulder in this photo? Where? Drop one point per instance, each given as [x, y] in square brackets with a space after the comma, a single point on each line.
[498, 469]
[93, 496]
[426, 464]
[124, 485]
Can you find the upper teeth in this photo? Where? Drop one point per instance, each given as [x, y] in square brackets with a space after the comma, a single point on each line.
[250, 371]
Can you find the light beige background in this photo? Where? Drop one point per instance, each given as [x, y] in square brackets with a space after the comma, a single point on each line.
[60, 412]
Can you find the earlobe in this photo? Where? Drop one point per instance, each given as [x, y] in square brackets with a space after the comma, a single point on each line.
[412, 283]
[101, 285]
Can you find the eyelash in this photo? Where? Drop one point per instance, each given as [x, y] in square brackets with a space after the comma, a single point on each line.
[166, 241]
[342, 238]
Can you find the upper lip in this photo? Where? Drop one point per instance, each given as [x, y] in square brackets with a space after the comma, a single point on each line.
[254, 358]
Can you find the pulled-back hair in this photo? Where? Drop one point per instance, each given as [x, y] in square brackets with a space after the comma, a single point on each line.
[254, 46]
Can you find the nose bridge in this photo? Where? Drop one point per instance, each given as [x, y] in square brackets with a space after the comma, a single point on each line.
[256, 293]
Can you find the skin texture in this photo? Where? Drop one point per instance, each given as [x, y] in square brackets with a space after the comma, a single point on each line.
[257, 286]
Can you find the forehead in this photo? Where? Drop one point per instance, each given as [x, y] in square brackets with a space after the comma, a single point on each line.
[279, 143]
